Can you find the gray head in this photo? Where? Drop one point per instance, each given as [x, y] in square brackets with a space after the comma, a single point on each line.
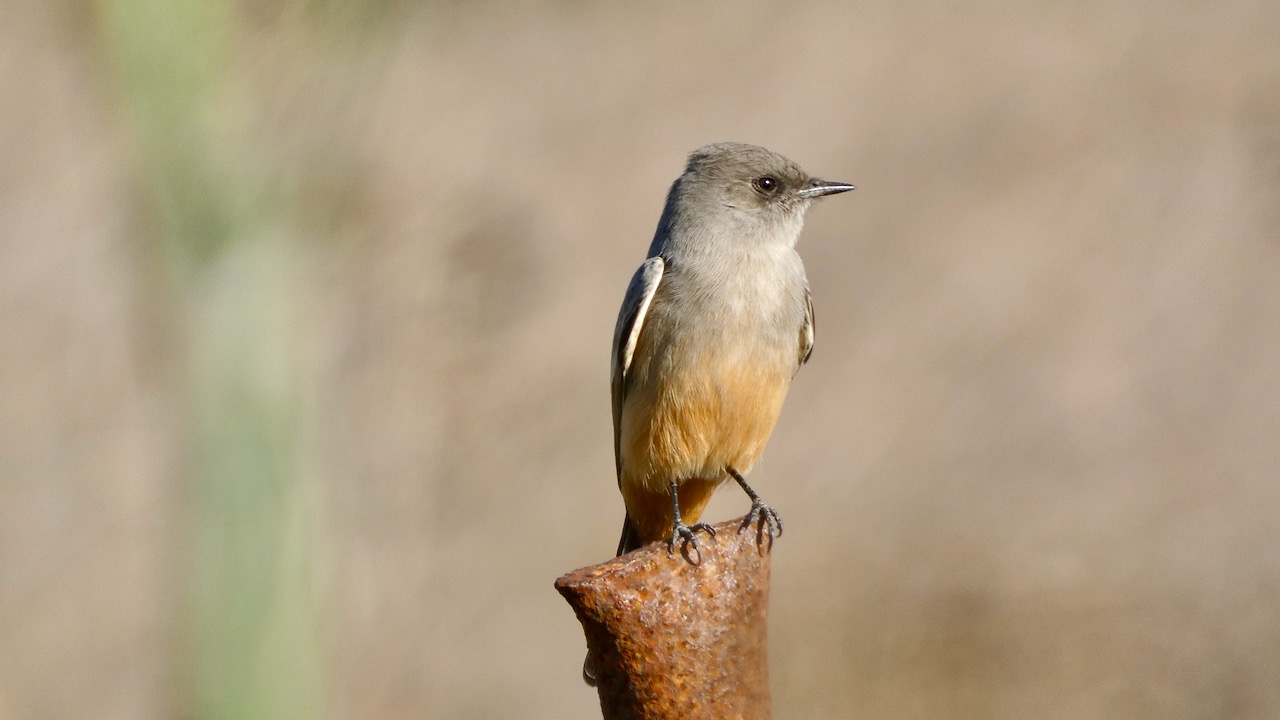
[742, 193]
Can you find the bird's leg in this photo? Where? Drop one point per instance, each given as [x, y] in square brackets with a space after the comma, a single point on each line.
[766, 516]
[680, 531]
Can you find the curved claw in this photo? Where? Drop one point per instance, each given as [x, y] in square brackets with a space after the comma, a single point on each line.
[768, 521]
[686, 534]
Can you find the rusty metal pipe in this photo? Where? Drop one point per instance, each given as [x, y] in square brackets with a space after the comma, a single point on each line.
[676, 635]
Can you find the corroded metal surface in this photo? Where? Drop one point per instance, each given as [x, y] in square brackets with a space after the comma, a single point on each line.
[673, 639]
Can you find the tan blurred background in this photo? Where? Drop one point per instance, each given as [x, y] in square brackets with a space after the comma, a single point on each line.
[304, 321]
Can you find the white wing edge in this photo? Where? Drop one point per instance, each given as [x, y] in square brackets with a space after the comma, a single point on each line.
[639, 295]
[807, 332]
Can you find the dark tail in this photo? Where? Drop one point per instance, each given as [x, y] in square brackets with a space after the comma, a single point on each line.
[630, 539]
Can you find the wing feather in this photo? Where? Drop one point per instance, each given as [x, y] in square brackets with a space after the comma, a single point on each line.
[806, 332]
[625, 336]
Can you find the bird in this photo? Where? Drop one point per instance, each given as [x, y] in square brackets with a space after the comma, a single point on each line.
[714, 325]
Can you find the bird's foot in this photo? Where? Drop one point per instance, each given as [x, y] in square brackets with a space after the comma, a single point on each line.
[768, 521]
[686, 535]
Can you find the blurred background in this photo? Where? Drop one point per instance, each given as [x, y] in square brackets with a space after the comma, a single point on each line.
[305, 310]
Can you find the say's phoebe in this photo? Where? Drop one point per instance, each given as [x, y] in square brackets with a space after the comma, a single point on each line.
[713, 327]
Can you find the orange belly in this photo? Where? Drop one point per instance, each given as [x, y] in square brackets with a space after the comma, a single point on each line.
[687, 430]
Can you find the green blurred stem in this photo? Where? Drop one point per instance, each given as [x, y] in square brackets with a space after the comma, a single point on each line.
[232, 278]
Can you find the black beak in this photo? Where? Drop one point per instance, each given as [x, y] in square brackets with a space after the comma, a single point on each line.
[819, 188]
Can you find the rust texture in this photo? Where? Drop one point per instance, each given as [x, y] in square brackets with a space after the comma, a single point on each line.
[672, 639]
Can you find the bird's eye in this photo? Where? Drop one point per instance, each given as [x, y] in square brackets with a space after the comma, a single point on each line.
[765, 184]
